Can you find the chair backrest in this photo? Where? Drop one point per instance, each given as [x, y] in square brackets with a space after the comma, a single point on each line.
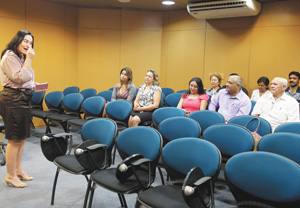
[230, 139]
[172, 99]
[167, 90]
[37, 99]
[161, 114]
[264, 126]
[178, 127]
[106, 94]
[72, 102]
[140, 140]
[264, 177]
[292, 127]
[119, 110]
[181, 155]
[207, 118]
[93, 106]
[71, 89]
[182, 91]
[252, 106]
[101, 130]
[54, 100]
[89, 92]
[285, 144]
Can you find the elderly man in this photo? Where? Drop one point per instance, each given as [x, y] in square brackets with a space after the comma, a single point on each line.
[294, 89]
[232, 101]
[278, 107]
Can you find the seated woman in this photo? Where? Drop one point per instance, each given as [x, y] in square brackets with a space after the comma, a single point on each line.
[146, 101]
[125, 89]
[195, 99]
[263, 88]
[215, 82]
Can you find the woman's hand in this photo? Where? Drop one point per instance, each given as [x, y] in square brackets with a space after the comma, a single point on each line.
[30, 53]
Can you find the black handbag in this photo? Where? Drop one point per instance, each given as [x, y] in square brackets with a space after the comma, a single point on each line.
[54, 146]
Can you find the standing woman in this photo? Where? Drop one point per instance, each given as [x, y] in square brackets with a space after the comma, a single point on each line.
[195, 99]
[125, 89]
[146, 101]
[17, 77]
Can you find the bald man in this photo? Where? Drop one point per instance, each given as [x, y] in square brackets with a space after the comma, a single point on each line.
[232, 101]
[278, 107]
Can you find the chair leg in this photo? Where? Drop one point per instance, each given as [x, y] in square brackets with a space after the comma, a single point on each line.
[121, 200]
[124, 200]
[114, 154]
[212, 198]
[54, 186]
[88, 189]
[161, 176]
[93, 186]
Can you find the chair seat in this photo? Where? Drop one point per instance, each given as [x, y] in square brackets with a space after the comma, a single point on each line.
[70, 164]
[76, 122]
[163, 197]
[104, 178]
[39, 113]
[61, 117]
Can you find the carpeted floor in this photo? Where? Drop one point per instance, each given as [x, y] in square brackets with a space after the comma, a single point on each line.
[70, 188]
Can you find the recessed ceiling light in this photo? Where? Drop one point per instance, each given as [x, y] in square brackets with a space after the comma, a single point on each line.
[168, 2]
[124, 1]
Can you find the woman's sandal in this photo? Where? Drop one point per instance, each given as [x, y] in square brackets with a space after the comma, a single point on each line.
[14, 183]
[25, 177]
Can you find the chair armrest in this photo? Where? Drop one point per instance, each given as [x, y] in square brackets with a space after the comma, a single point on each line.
[196, 187]
[96, 147]
[91, 156]
[64, 134]
[128, 167]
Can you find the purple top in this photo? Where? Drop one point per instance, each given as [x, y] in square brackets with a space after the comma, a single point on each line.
[13, 74]
[230, 106]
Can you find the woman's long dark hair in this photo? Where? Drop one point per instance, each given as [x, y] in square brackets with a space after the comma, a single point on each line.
[16, 40]
[199, 84]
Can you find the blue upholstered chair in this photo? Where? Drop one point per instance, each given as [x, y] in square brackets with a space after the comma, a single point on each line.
[167, 90]
[207, 118]
[140, 149]
[263, 128]
[71, 89]
[106, 94]
[95, 152]
[89, 92]
[292, 127]
[92, 107]
[53, 101]
[37, 100]
[72, 108]
[178, 127]
[119, 111]
[172, 99]
[285, 144]
[192, 165]
[263, 179]
[161, 114]
[182, 91]
[230, 139]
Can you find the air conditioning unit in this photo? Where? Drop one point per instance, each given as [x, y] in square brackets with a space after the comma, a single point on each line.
[213, 9]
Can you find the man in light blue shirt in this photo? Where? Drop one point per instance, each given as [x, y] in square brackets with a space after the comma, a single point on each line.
[231, 101]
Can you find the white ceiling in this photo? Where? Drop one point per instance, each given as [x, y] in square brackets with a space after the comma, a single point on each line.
[133, 4]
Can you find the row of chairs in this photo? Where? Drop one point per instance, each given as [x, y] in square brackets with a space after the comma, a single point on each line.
[186, 160]
[74, 104]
